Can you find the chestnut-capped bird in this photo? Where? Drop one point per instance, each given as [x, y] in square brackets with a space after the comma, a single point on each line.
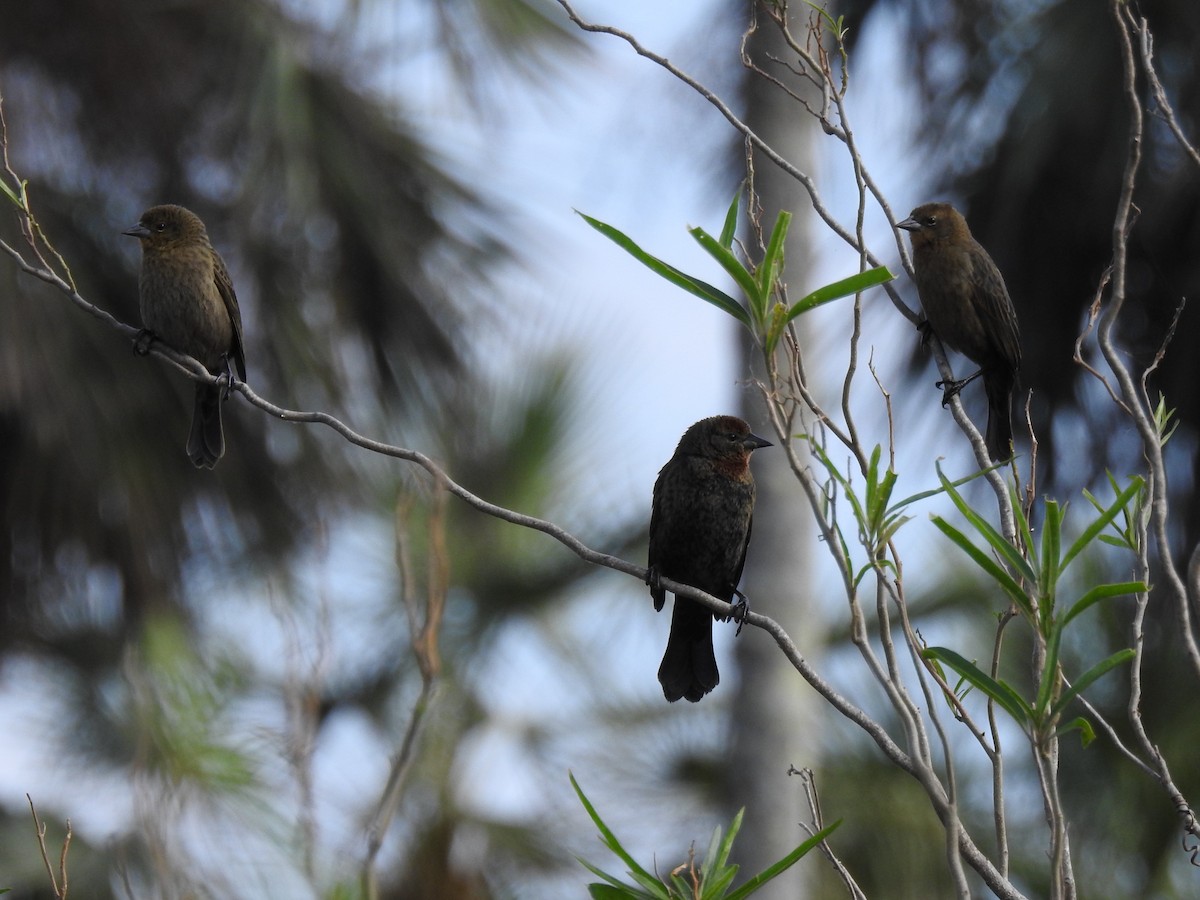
[699, 531]
[188, 303]
[967, 306]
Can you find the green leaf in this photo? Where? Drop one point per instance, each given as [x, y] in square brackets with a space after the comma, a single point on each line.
[718, 850]
[610, 839]
[729, 229]
[933, 492]
[1049, 674]
[608, 892]
[994, 539]
[843, 482]
[734, 268]
[1051, 546]
[611, 879]
[1102, 592]
[1089, 677]
[1087, 733]
[891, 526]
[773, 258]
[1102, 521]
[16, 201]
[845, 288]
[784, 864]
[1003, 694]
[701, 289]
[993, 569]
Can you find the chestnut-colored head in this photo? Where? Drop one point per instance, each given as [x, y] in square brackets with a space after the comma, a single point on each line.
[720, 437]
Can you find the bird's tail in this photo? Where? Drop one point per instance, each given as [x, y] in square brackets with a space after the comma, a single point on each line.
[206, 441]
[689, 667]
[999, 387]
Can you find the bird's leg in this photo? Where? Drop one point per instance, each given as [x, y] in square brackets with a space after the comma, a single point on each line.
[654, 579]
[950, 389]
[142, 341]
[741, 609]
[230, 378]
[925, 330]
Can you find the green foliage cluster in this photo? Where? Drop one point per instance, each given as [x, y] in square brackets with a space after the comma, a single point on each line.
[711, 880]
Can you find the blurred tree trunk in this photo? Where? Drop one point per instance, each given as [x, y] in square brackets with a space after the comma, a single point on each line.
[773, 714]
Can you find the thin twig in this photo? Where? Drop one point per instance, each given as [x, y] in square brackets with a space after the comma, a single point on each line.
[817, 819]
[424, 620]
[60, 890]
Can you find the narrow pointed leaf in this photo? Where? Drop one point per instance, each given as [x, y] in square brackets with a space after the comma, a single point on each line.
[1102, 592]
[717, 885]
[719, 849]
[607, 892]
[772, 263]
[617, 888]
[1051, 547]
[782, 865]
[1008, 699]
[600, 873]
[1102, 521]
[845, 288]
[607, 835]
[16, 201]
[994, 538]
[994, 570]
[1090, 676]
[872, 486]
[733, 266]
[701, 289]
[891, 525]
[1049, 674]
[729, 229]
[933, 492]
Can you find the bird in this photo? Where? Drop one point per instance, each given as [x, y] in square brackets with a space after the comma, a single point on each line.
[188, 302]
[699, 531]
[967, 305]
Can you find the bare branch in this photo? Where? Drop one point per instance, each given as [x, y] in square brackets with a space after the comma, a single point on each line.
[60, 883]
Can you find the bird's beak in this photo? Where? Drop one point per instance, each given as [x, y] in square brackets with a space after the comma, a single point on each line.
[138, 231]
[754, 442]
[909, 224]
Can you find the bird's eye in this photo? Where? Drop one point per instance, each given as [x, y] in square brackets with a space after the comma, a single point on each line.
[931, 221]
[161, 226]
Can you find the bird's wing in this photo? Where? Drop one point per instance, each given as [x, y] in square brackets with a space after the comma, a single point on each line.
[225, 289]
[992, 294]
[741, 563]
[654, 553]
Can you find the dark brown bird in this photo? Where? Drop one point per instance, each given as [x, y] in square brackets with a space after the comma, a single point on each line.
[699, 531]
[188, 303]
[967, 306]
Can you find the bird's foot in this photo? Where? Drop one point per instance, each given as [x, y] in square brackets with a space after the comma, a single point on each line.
[228, 378]
[143, 340]
[950, 390]
[741, 609]
[654, 579]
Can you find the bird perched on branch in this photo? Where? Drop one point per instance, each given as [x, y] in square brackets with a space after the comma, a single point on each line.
[699, 531]
[967, 306]
[187, 302]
